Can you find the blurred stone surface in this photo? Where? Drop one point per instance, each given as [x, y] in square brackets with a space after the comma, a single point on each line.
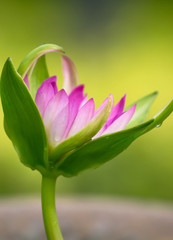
[88, 219]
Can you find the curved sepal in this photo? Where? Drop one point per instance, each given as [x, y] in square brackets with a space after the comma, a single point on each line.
[38, 75]
[105, 148]
[71, 79]
[33, 56]
[22, 119]
[143, 106]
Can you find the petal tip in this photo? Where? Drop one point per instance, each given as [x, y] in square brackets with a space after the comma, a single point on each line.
[111, 99]
[133, 108]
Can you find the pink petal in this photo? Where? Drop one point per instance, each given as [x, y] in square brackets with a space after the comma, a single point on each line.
[75, 99]
[54, 107]
[45, 93]
[84, 116]
[86, 133]
[85, 100]
[77, 93]
[70, 74]
[26, 81]
[120, 123]
[116, 112]
[58, 127]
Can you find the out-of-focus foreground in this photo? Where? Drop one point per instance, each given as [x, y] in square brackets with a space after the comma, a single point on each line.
[88, 220]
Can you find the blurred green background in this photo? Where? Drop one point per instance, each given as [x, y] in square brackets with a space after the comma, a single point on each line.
[118, 47]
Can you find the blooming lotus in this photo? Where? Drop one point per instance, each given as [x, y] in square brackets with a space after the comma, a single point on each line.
[66, 114]
[59, 132]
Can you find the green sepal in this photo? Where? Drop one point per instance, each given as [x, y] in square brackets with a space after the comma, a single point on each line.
[39, 73]
[34, 55]
[143, 106]
[22, 121]
[105, 148]
[161, 116]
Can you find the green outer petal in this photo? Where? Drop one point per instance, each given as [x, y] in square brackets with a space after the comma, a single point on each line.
[22, 120]
[143, 106]
[105, 148]
[38, 75]
[82, 136]
[161, 116]
[32, 57]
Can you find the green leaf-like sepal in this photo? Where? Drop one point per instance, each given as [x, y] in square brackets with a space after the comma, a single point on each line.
[143, 106]
[22, 120]
[39, 73]
[105, 148]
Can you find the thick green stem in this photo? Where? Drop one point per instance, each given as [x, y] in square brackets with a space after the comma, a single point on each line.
[51, 224]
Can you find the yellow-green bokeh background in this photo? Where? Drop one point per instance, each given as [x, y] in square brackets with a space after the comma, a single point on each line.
[118, 47]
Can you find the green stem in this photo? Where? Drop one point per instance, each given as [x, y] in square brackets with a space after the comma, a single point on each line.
[51, 224]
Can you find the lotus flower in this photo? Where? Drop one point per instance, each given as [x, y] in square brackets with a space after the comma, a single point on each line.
[59, 132]
[66, 114]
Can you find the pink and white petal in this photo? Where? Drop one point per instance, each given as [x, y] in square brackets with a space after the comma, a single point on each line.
[45, 93]
[116, 112]
[85, 100]
[70, 74]
[26, 81]
[94, 125]
[83, 117]
[75, 99]
[77, 93]
[86, 133]
[58, 127]
[120, 123]
[55, 106]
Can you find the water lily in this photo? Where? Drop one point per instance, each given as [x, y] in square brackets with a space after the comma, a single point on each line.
[66, 114]
[59, 132]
